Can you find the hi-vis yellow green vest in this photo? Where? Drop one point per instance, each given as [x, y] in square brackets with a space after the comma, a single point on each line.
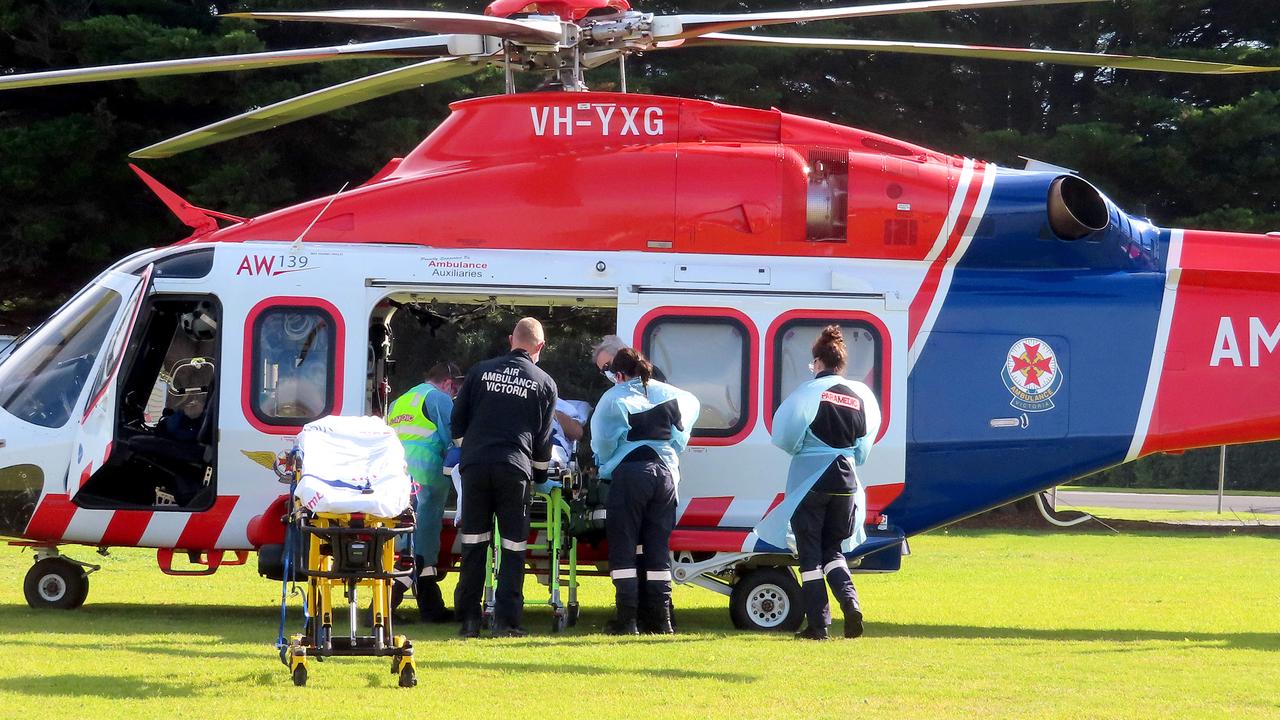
[422, 449]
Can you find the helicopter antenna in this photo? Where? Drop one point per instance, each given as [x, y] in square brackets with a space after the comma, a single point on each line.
[506, 68]
[622, 71]
[297, 244]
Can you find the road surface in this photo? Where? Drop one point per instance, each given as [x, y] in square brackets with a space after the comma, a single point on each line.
[1166, 501]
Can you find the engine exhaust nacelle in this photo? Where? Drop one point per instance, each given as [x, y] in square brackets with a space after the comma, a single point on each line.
[1076, 208]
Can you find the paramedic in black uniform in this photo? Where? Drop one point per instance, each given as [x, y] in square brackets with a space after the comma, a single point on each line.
[502, 418]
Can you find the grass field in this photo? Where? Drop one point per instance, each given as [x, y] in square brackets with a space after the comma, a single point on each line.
[978, 624]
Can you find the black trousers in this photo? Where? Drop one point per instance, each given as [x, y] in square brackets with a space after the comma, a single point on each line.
[642, 512]
[499, 490]
[821, 523]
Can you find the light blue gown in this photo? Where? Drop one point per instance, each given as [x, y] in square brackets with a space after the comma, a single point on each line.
[810, 457]
[611, 424]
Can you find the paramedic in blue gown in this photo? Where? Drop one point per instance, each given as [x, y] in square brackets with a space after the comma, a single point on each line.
[502, 418]
[421, 418]
[637, 432]
[603, 353]
[827, 425]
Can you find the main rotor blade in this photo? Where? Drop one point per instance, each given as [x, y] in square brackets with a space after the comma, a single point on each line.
[1059, 57]
[532, 31]
[314, 103]
[697, 24]
[415, 47]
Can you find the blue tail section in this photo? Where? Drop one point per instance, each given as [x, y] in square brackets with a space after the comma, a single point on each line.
[1035, 368]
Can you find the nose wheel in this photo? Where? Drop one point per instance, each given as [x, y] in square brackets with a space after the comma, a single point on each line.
[56, 583]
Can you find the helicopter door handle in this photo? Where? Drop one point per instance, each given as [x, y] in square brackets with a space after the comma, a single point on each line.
[1022, 421]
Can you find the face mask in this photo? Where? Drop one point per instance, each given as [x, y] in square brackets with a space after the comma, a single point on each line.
[608, 375]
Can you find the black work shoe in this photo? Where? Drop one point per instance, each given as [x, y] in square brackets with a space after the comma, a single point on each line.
[812, 633]
[659, 621]
[624, 623]
[621, 627]
[431, 607]
[470, 629]
[852, 623]
[511, 631]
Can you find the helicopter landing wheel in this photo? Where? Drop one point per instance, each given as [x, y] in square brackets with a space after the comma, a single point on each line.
[55, 584]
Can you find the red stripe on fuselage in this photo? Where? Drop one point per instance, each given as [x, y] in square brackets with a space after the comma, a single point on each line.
[879, 497]
[924, 298]
[705, 512]
[51, 518]
[708, 540]
[204, 528]
[126, 528]
[1220, 379]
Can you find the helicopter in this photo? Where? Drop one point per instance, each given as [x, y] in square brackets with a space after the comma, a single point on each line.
[1019, 328]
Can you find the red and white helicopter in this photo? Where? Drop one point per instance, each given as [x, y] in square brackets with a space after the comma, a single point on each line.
[1020, 329]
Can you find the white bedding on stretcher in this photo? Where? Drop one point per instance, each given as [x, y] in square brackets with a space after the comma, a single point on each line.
[352, 465]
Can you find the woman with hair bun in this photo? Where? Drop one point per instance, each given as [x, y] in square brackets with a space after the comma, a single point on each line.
[827, 425]
[637, 432]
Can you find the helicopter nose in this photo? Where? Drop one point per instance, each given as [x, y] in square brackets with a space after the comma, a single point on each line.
[20, 487]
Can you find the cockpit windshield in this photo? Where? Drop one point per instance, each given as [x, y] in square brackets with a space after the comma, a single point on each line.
[41, 382]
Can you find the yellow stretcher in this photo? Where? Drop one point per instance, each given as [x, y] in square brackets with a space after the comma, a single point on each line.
[343, 554]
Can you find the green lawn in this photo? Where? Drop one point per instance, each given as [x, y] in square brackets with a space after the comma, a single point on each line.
[1173, 516]
[990, 624]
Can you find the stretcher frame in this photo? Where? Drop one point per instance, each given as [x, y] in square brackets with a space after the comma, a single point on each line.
[561, 548]
[346, 552]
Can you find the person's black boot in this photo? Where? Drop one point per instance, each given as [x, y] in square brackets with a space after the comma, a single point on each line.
[660, 621]
[431, 607]
[812, 633]
[852, 620]
[470, 629]
[624, 624]
[506, 629]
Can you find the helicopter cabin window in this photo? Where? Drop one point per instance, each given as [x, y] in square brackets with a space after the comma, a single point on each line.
[42, 379]
[793, 351]
[293, 372]
[710, 356]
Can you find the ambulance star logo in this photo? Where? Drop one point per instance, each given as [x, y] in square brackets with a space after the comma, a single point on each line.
[1032, 365]
[1032, 375]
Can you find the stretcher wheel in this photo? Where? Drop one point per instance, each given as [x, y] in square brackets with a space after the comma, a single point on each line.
[559, 620]
[574, 613]
[408, 677]
[300, 675]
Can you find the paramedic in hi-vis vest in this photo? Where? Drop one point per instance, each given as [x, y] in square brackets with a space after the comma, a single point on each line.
[502, 418]
[421, 418]
[827, 425]
[637, 432]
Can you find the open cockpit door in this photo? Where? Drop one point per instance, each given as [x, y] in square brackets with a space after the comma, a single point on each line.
[97, 423]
